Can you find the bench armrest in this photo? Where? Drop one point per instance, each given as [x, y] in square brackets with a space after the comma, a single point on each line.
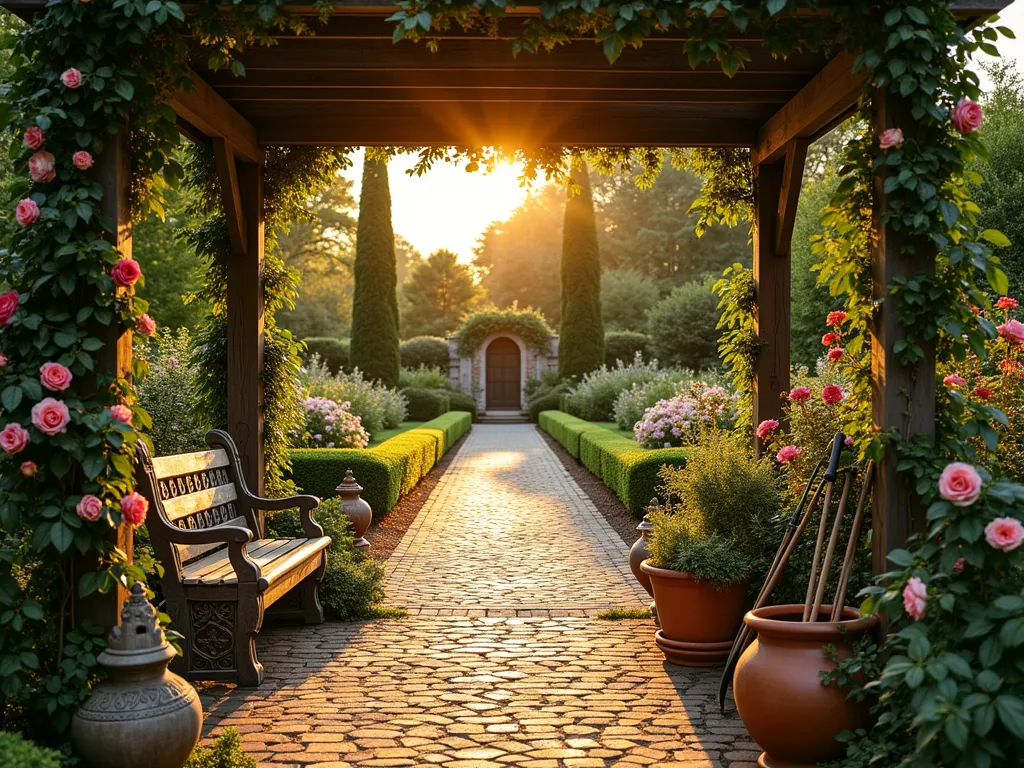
[234, 536]
[306, 504]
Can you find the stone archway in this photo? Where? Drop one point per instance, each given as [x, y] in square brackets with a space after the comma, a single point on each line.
[504, 382]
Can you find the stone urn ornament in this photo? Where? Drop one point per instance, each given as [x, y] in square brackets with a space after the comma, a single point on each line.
[357, 510]
[142, 714]
[638, 553]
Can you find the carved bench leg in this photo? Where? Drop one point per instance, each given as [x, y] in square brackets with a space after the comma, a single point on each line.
[247, 625]
[309, 594]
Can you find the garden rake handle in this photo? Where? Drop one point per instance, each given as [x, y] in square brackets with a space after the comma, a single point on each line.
[833, 540]
[851, 545]
[830, 480]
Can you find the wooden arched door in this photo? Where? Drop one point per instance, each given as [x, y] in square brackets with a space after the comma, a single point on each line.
[504, 386]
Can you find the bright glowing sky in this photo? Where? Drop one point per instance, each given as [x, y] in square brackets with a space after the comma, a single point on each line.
[449, 208]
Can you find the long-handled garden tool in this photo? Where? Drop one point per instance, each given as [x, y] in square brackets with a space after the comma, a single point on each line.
[797, 523]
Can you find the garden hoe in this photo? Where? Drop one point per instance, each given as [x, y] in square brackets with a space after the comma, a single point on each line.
[797, 523]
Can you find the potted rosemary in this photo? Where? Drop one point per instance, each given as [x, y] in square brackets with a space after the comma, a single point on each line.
[706, 545]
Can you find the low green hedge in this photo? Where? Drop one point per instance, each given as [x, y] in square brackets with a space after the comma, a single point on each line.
[387, 471]
[426, 404]
[460, 401]
[627, 469]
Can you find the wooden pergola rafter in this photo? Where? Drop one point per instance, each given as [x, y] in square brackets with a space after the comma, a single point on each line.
[349, 85]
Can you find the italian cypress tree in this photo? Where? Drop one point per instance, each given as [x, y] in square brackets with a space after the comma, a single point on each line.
[375, 342]
[581, 342]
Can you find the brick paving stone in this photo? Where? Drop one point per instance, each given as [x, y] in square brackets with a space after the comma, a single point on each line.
[500, 663]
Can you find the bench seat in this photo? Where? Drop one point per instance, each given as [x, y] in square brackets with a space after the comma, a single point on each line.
[274, 557]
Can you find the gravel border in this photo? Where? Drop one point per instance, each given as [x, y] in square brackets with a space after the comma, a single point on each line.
[385, 534]
[607, 503]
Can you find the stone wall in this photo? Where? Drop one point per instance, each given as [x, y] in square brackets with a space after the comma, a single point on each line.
[468, 373]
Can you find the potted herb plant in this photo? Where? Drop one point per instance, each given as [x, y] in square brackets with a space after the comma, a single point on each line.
[707, 544]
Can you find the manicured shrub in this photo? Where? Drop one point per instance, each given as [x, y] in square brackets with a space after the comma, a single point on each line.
[549, 400]
[426, 351]
[625, 346]
[17, 752]
[226, 752]
[386, 471]
[581, 343]
[684, 327]
[378, 407]
[353, 585]
[168, 394]
[375, 344]
[460, 401]
[628, 470]
[423, 378]
[333, 352]
[426, 404]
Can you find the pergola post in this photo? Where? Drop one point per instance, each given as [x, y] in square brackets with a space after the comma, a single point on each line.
[776, 187]
[113, 171]
[243, 200]
[902, 398]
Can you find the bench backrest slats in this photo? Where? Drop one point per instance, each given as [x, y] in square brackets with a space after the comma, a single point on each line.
[189, 463]
[207, 500]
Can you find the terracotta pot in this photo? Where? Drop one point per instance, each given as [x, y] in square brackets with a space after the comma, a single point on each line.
[695, 613]
[778, 690]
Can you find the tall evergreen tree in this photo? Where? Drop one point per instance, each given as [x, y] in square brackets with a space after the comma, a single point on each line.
[581, 346]
[375, 343]
[438, 293]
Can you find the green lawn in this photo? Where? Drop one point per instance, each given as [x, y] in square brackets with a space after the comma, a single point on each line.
[611, 426]
[386, 434]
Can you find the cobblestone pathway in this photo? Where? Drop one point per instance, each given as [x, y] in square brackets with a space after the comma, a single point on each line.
[500, 665]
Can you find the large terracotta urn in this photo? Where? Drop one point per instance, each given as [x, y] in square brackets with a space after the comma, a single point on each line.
[698, 621]
[779, 692]
[355, 508]
[142, 715]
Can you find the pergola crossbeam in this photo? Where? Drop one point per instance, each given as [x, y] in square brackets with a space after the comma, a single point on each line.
[789, 196]
[230, 194]
[207, 110]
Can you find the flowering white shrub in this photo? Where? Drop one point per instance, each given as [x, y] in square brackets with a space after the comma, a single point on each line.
[630, 404]
[678, 420]
[377, 406]
[331, 425]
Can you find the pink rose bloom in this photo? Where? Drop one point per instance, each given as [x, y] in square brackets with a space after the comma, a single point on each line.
[848, 441]
[1012, 331]
[983, 392]
[8, 306]
[830, 338]
[126, 272]
[799, 394]
[966, 116]
[27, 212]
[145, 325]
[954, 380]
[55, 377]
[133, 508]
[915, 598]
[891, 138]
[832, 394]
[71, 78]
[958, 566]
[89, 508]
[82, 160]
[13, 438]
[41, 167]
[835, 355]
[766, 427]
[1004, 533]
[3, 360]
[121, 413]
[1005, 302]
[836, 318]
[29, 468]
[787, 454]
[960, 484]
[35, 137]
[50, 416]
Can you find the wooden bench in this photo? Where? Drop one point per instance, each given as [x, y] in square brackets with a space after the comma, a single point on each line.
[220, 572]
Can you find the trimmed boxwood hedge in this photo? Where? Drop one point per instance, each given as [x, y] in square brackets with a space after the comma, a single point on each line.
[630, 471]
[426, 404]
[387, 471]
[460, 401]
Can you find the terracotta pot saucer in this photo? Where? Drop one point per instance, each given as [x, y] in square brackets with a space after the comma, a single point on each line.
[697, 655]
[680, 645]
[764, 761]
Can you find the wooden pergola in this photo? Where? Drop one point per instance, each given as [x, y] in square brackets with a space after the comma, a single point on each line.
[349, 85]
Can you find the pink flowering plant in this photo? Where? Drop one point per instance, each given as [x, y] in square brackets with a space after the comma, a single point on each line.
[329, 424]
[679, 420]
